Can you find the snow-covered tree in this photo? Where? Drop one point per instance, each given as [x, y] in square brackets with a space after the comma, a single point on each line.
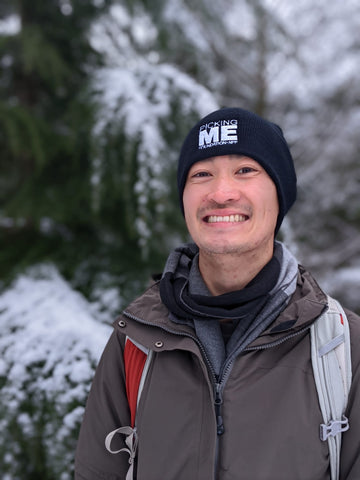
[318, 91]
[51, 340]
[88, 172]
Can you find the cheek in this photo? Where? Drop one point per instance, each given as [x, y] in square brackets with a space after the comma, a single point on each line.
[272, 203]
[191, 199]
[185, 200]
[271, 193]
[189, 206]
[268, 193]
[275, 202]
[272, 206]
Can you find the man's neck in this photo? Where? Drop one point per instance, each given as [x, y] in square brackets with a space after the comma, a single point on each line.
[230, 272]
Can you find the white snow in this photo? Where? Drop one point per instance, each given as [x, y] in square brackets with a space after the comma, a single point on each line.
[135, 94]
[52, 337]
[10, 25]
[42, 317]
[50, 344]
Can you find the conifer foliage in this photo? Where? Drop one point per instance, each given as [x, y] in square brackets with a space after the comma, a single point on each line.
[96, 97]
[46, 119]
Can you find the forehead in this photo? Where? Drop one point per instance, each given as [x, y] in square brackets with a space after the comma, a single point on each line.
[226, 159]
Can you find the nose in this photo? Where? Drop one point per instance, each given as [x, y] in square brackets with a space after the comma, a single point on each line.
[224, 190]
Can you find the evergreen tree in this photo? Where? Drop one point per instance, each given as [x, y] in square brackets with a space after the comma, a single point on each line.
[46, 119]
[94, 104]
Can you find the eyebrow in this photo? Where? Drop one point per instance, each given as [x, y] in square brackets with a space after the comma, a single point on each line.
[238, 157]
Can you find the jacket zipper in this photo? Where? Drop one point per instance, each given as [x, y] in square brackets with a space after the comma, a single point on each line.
[221, 380]
[220, 385]
[217, 389]
[277, 342]
[218, 402]
[217, 382]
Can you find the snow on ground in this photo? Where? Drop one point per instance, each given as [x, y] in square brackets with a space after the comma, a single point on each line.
[50, 344]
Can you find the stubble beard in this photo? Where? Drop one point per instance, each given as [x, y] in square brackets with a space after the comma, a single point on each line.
[228, 250]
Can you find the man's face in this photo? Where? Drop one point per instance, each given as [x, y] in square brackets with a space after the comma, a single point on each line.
[231, 206]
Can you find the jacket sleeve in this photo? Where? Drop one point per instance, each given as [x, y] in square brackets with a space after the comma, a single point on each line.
[106, 410]
[350, 450]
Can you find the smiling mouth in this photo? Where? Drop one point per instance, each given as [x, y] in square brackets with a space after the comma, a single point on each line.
[226, 218]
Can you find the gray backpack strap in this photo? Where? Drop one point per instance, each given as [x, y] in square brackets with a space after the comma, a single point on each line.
[131, 447]
[331, 361]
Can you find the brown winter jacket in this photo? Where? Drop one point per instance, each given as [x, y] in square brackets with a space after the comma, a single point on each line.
[270, 407]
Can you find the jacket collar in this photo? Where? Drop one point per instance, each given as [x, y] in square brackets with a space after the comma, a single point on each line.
[306, 304]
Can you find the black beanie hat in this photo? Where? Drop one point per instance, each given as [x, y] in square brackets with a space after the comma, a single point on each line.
[230, 131]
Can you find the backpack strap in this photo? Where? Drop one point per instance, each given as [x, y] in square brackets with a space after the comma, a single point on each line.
[331, 361]
[131, 447]
[136, 362]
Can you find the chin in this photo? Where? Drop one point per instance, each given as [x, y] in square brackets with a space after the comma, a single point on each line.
[223, 249]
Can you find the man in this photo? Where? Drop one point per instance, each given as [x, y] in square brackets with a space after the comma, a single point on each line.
[229, 392]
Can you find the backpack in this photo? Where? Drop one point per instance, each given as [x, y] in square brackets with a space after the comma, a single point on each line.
[331, 362]
[137, 359]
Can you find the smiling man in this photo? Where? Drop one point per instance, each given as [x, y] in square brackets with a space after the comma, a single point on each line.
[209, 374]
[231, 211]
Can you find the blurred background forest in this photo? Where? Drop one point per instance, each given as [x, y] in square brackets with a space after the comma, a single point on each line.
[96, 98]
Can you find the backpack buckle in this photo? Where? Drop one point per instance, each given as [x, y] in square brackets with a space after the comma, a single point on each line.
[334, 427]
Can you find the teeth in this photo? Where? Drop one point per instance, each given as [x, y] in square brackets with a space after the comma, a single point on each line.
[226, 218]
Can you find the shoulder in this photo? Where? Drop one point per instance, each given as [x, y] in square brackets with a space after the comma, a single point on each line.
[147, 309]
[146, 303]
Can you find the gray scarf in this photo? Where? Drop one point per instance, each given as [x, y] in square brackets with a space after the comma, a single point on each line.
[255, 314]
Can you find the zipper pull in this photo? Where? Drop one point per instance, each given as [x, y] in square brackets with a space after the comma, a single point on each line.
[218, 403]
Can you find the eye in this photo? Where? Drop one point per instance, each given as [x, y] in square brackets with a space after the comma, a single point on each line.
[246, 170]
[200, 174]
